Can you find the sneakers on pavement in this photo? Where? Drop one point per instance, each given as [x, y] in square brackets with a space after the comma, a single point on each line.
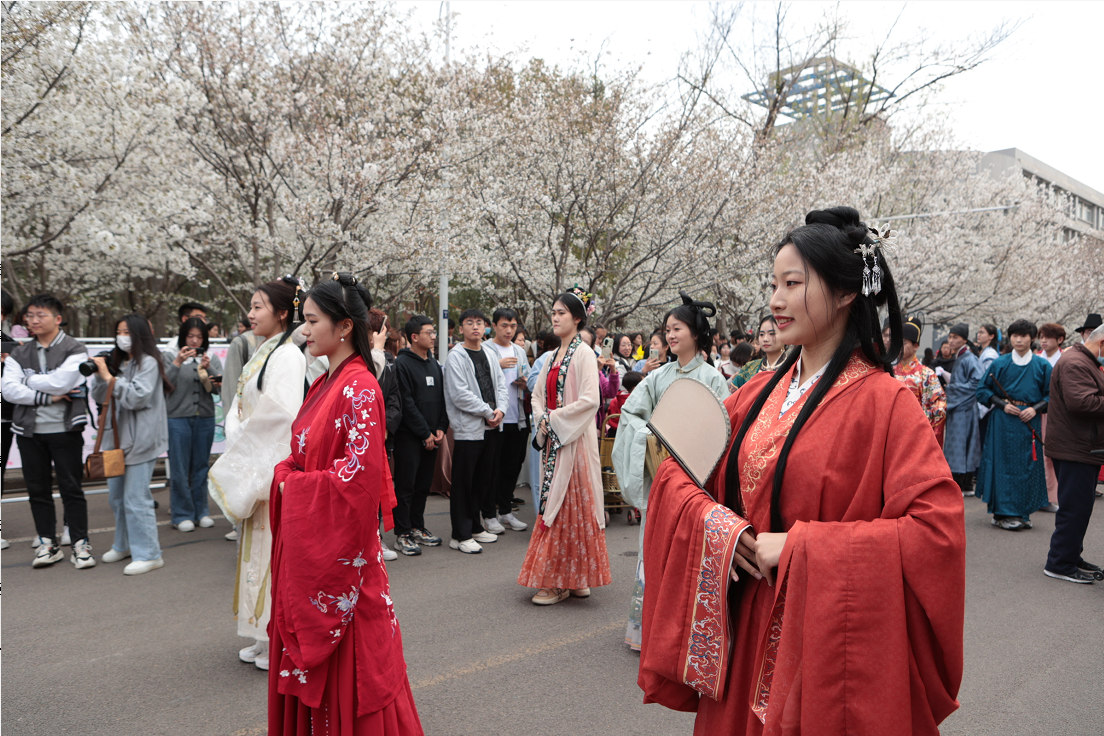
[82, 555]
[389, 555]
[114, 555]
[39, 541]
[546, 597]
[185, 526]
[4, 544]
[1008, 523]
[206, 522]
[1050, 508]
[486, 537]
[66, 540]
[492, 526]
[143, 566]
[513, 522]
[232, 535]
[424, 538]
[517, 501]
[261, 662]
[250, 654]
[1088, 567]
[47, 554]
[1076, 576]
[468, 546]
[405, 544]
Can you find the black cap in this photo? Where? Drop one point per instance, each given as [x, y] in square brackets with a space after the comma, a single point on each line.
[1091, 323]
[962, 330]
[912, 329]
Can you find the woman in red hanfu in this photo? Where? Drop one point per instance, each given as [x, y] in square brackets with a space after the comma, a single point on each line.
[336, 651]
[820, 590]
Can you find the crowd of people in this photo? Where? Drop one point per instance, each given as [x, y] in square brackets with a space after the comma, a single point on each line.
[338, 428]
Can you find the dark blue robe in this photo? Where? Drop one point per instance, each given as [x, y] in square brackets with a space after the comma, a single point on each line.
[961, 440]
[1009, 481]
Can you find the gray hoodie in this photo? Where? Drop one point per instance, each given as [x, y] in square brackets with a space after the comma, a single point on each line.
[467, 411]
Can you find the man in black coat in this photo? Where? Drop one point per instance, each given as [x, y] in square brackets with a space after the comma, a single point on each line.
[422, 431]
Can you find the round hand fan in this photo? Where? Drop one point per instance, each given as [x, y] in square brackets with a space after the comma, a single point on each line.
[693, 425]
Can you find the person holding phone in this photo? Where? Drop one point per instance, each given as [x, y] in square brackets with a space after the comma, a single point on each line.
[195, 377]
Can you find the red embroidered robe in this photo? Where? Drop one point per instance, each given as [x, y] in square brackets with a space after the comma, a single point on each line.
[862, 632]
[334, 633]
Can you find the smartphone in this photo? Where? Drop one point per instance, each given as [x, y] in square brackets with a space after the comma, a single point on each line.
[653, 354]
[607, 348]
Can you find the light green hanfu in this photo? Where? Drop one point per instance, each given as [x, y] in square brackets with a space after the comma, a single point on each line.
[631, 446]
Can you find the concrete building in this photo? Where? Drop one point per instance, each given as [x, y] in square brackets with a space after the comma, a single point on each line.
[1086, 203]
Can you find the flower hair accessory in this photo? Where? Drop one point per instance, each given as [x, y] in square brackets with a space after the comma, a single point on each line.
[883, 240]
[586, 298]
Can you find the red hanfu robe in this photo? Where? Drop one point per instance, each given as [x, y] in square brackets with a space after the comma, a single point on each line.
[337, 663]
[862, 631]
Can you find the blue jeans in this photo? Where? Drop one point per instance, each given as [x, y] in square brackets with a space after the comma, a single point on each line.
[190, 440]
[135, 521]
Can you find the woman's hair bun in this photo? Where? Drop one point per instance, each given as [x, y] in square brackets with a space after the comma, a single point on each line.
[365, 296]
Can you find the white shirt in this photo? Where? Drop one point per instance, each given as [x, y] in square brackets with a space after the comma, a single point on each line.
[797, 391]
[1051, 359]
[1021, 360]
[511, 374]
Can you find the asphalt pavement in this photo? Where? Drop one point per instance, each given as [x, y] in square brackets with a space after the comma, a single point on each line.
[93, 652]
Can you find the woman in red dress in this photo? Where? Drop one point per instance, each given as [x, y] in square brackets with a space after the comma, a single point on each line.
[336, 650]
[817, 586]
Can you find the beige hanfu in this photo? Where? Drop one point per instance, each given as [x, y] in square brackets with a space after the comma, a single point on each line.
[258, 436]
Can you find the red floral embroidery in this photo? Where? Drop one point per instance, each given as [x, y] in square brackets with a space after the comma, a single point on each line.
[770, 657]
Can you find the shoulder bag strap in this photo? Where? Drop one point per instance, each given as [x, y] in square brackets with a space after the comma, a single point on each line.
[109, 404]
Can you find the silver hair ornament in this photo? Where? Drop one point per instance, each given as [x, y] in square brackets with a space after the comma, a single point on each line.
[884, 240]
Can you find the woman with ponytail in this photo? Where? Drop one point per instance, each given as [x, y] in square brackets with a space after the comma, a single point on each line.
[816, 585]
[258, 429]
[688, 336]
[338, 664]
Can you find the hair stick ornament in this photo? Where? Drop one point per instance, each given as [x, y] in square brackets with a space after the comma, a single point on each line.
[877, 240]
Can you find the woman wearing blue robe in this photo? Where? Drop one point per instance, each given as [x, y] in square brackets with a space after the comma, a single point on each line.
[1011, 478]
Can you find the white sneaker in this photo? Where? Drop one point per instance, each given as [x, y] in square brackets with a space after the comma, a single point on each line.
[185, 526]
[114, 555]
[261, 663]
[141, 566]
[493, 526]
[47, 554]
[206, 522]
[485, 537]
[468, 546]
[390, 554]
[250, 654]
[82, 555]
[4, 543]
[232, 535]
[66, 541]
[513, 522]
[38, 542]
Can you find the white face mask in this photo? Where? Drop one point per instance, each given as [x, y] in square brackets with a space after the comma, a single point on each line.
[123, 341]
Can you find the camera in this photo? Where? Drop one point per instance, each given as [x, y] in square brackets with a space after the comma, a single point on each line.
[88, 367]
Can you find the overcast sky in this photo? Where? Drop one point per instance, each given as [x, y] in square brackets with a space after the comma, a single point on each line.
[1043, 94]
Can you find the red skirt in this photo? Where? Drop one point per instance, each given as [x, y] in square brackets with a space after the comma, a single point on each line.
[572, 552]
[289, 716]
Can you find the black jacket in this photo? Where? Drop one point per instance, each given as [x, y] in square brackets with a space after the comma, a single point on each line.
[392, 401]
[423, 394]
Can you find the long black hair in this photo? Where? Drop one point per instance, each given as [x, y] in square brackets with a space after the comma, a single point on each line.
[193, 323]
[285, 294]
[826, 245]
[695, 315]
[142, 345]
[342, 298]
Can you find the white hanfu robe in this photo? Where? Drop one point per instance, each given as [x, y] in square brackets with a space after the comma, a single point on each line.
[258, 436]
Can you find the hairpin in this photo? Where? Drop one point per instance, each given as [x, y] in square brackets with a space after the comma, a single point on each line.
[585, 298]
[884, 239]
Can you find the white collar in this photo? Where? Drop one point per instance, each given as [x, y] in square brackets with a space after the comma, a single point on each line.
[1021, 360]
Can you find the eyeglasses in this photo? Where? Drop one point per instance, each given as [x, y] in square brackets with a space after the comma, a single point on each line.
[38, 316]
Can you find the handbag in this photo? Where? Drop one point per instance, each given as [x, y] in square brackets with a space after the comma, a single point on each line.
[109, 463]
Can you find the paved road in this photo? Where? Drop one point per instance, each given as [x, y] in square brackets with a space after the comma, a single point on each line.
[92, 652]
